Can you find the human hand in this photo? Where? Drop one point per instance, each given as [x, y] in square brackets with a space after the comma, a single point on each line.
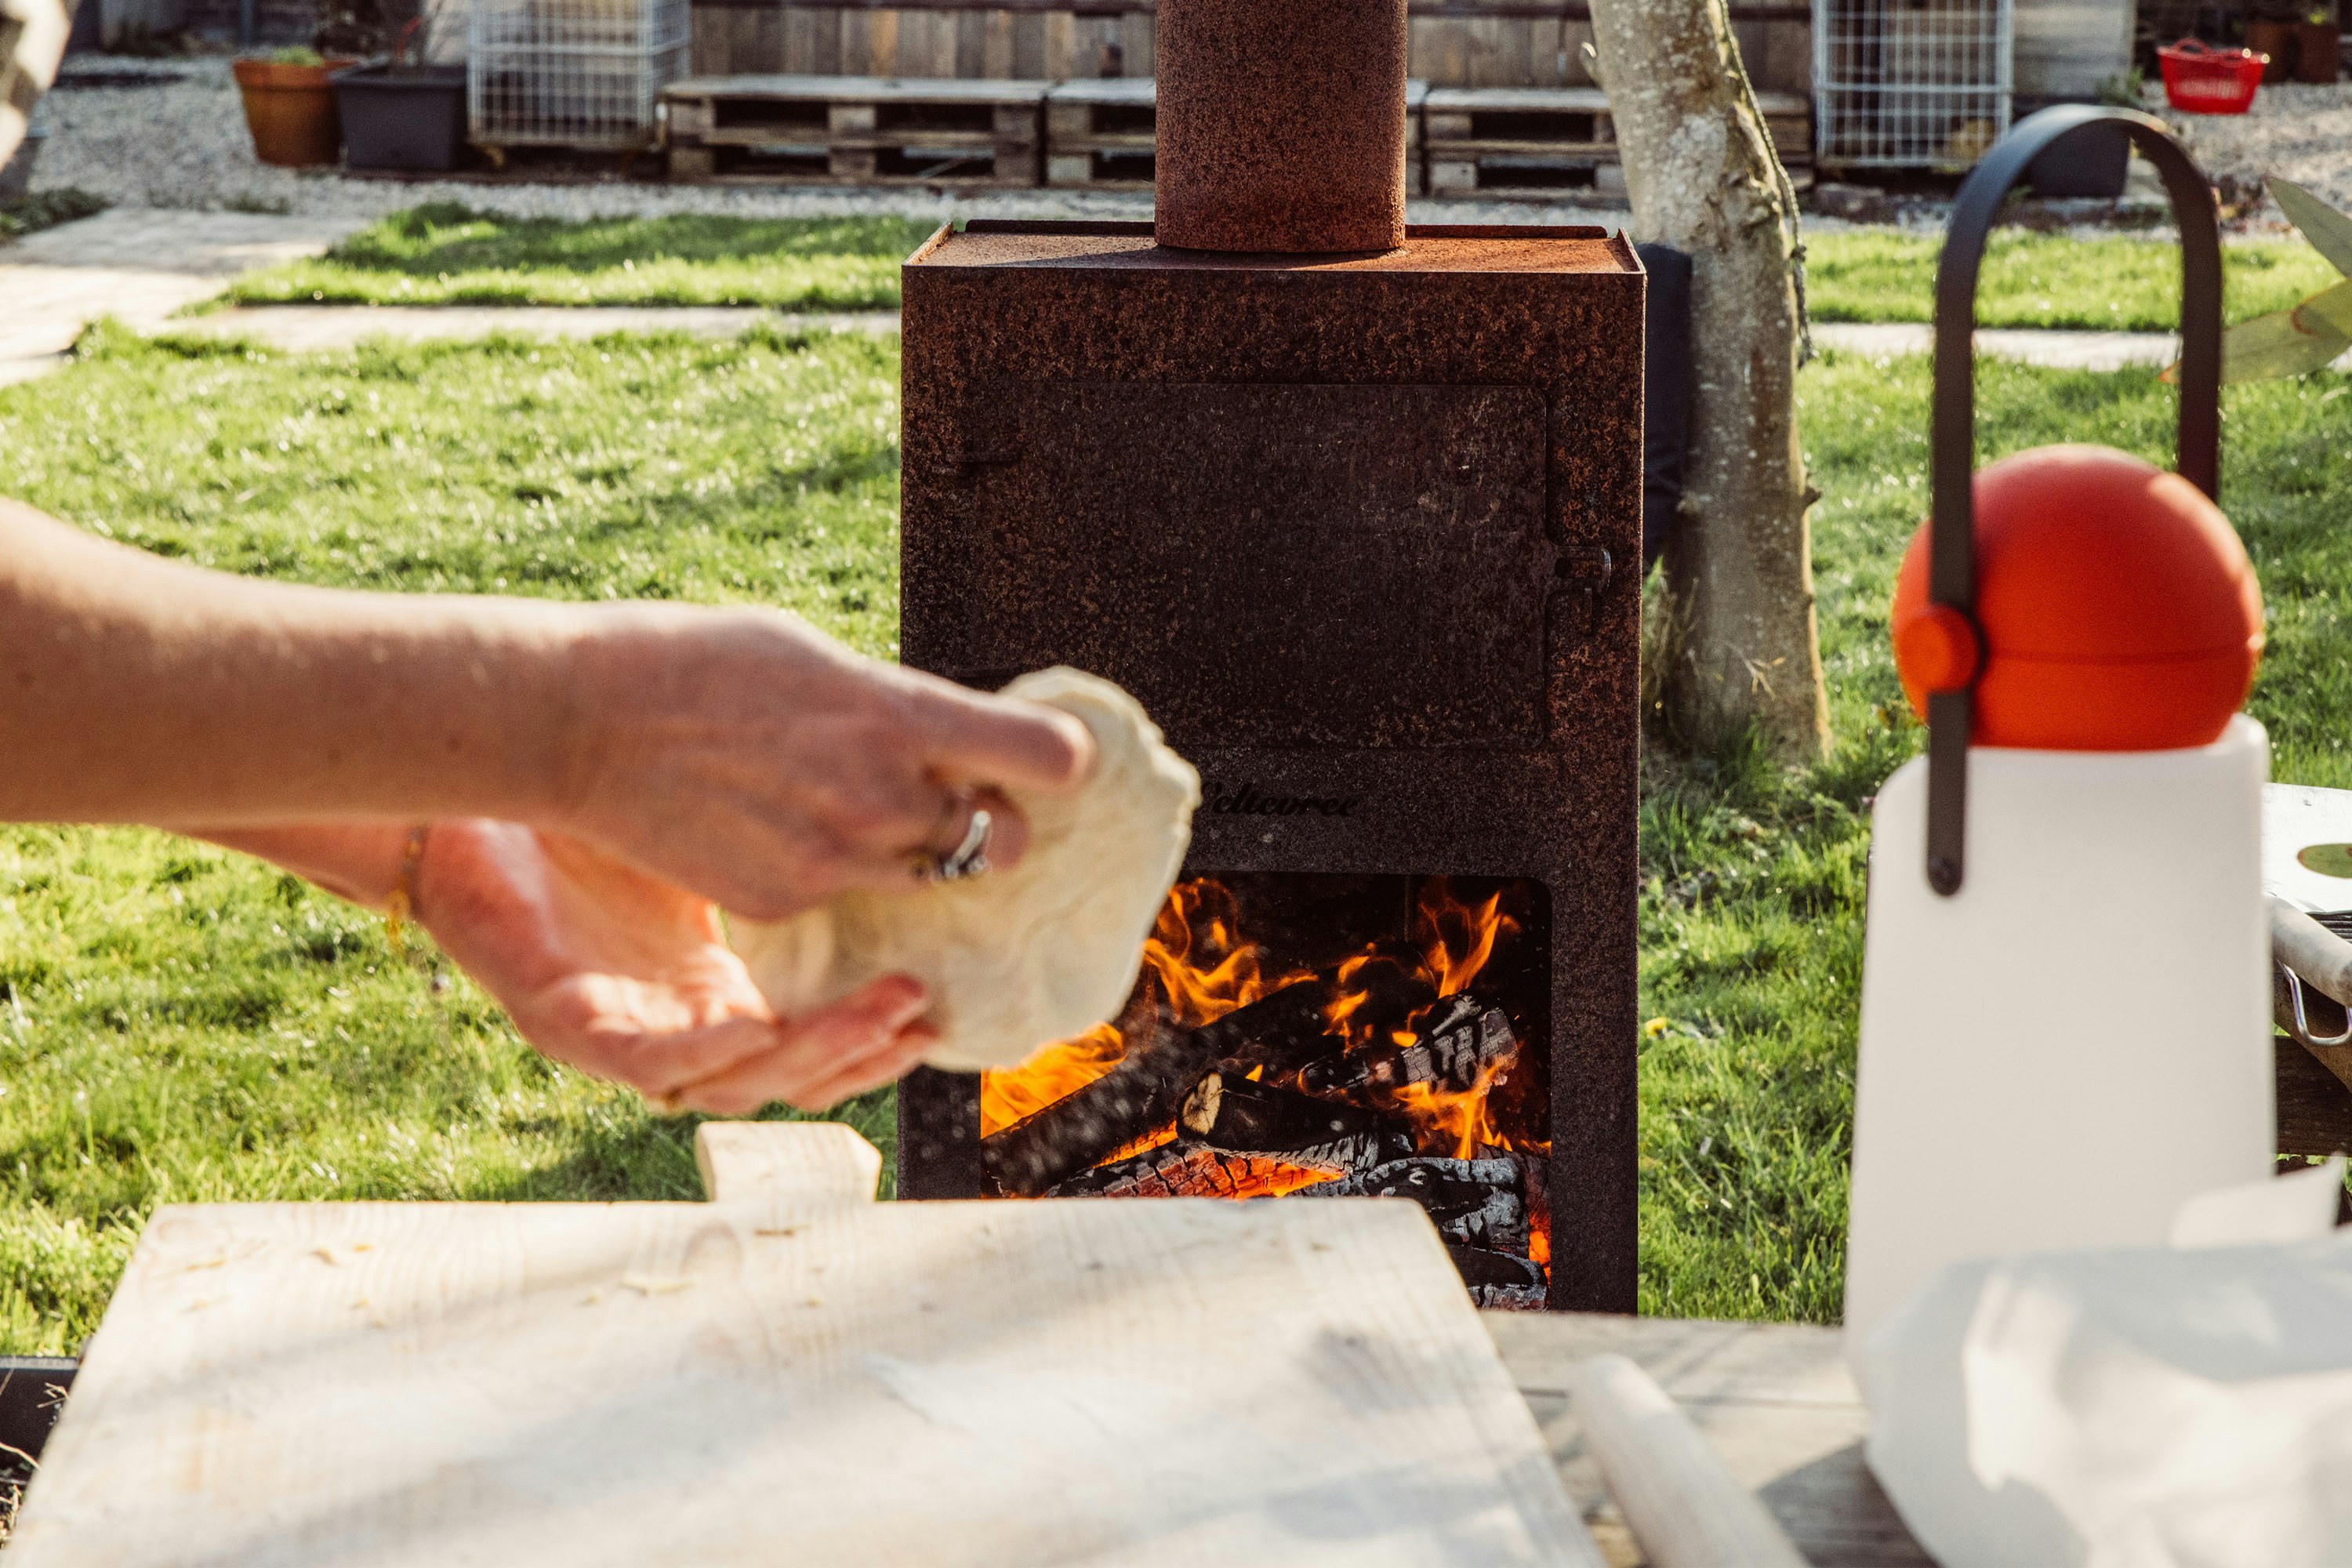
[628, 978]
[745, 755]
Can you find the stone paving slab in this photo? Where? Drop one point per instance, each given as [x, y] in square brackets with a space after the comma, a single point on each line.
[298, 327]
[2029, 346]
[137, 265]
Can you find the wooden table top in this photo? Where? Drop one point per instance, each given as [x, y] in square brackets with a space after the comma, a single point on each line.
[1774, 1399]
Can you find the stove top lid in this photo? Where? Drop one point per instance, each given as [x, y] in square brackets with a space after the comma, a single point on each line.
[1427, 248]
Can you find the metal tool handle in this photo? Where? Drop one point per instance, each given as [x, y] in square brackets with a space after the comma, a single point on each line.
[1951, 529]
[2301, 1028]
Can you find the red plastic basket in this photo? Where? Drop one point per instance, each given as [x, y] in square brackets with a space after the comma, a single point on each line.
[2199, 80]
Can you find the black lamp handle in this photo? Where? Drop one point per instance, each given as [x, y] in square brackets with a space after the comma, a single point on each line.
[1951, 535]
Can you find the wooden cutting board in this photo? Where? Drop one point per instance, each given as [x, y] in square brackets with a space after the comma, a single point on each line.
[794, 1374]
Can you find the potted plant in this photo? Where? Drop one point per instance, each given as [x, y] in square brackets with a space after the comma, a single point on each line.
[2095, 163]
[290, 107]
[400, 115]
[2318, 46]
[2271, 31]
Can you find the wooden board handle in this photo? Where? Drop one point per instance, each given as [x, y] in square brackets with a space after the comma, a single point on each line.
[761, 1161]
[1683, 1506]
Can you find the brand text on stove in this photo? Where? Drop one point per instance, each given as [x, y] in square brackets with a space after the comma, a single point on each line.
[1246, 801]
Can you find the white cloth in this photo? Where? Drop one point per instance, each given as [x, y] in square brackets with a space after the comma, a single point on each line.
[2137, 1408]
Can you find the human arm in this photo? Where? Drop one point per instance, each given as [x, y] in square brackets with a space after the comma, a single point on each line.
[736, 752]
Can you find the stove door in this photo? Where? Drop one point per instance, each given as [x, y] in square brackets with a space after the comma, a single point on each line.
[1261, 565]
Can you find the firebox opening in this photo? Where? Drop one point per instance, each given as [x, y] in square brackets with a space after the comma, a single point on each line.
[1315, 1034]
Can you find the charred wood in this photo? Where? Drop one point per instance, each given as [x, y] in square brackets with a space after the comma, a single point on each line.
[1479, 1265]
[1455, 1045]
[1477, 1203]
[1226, 1110]
[1510, 1298]
[1141, 1094]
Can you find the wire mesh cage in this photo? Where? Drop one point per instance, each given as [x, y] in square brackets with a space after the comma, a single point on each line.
[571, 73]
[1909, 83]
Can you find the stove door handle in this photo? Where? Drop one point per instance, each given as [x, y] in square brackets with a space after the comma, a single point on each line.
[1584, 571]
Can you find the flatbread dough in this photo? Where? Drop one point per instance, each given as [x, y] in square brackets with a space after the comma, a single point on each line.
[1015, 959]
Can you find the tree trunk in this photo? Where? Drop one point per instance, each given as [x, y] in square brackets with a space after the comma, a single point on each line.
[1739, 643]
[32, 42]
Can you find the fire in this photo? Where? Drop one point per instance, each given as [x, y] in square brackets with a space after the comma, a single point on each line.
[1456, 1124]
[1205, 967]
[1455, 942]
[1476, 929]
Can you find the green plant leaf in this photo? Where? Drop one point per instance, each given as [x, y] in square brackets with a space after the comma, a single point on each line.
[2330, 231]
[2289, 342]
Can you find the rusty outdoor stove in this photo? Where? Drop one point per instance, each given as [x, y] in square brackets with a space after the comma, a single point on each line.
[1353, 508]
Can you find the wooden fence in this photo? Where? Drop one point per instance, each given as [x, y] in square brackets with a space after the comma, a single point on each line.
[1455, 43]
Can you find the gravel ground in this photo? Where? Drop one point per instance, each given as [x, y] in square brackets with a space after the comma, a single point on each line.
[2299, 134]
[182, 143]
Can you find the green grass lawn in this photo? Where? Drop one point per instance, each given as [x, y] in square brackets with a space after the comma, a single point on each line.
[177, 1023]
[2051, 280]
[45, 209]
[448, 254]
[443, 254]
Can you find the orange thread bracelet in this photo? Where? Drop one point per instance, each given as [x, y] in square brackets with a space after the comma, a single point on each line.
[400, 905]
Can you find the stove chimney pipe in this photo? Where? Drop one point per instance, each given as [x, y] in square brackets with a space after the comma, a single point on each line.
[1281, 125]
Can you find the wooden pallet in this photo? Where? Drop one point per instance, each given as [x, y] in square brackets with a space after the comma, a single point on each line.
[855, 131]
[1099, 135]
[1542, 143]
[1455, 43]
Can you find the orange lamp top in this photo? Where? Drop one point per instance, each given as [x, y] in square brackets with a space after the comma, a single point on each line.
[2117, 608]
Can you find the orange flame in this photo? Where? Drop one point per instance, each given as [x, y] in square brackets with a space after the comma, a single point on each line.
[1478, 929]
[1207, 969]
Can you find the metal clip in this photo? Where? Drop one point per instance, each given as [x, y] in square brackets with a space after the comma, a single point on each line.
[2301, 1028]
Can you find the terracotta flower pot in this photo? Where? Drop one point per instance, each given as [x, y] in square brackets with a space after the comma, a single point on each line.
[2318, 51]
[290, 109]
[2274, 39]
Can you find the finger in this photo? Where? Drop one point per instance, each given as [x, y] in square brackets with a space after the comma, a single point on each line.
[1002, 740]
[915, 1042]
[1006, 835]
[1009, 838]
[813, 1050]
[1008, 828]
[745, 1089]
[656, 1063]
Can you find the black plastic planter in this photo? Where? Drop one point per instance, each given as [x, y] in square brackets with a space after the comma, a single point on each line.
[32, 1392]
[2094, 163]
[400, 117]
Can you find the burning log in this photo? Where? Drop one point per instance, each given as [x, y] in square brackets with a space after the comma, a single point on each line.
[1477, 1203]
[1463, 1039]
[1226, 1110]
[1186, 1169]
[1142, 1093]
